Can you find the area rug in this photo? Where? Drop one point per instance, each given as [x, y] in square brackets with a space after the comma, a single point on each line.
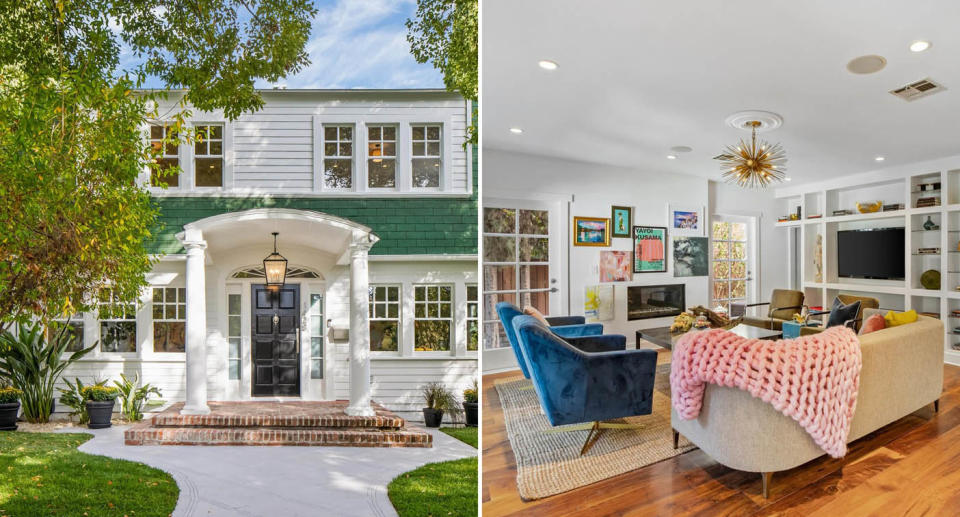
[549, 463]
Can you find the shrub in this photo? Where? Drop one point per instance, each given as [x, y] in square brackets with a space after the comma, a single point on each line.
[73, 398]
[99, 393]
[32, 363]
[9, 395]
[438, 396]
[133, 396]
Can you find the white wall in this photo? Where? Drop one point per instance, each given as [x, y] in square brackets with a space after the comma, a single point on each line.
[594, 189]
[728, 199]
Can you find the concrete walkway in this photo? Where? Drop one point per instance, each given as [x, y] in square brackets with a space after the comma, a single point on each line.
[273, 481]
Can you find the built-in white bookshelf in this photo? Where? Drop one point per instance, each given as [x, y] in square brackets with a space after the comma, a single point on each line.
[929, 228]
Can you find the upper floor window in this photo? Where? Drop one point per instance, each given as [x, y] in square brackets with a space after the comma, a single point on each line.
[169, 319]
[118, 323]
[432, 317]
[169, 155]
[382, 156]
[425, 155]
[384, 318]
[208, 156]
[338, 157]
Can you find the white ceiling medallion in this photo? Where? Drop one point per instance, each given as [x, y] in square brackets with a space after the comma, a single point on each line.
[744, 119]
[866, 64]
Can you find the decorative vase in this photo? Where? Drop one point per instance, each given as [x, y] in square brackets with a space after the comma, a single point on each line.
[470, 410]
[100, 412]
[929, 224]
[8, 416]
[432, 417]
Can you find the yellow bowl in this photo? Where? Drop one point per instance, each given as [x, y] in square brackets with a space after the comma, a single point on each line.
[868, 208]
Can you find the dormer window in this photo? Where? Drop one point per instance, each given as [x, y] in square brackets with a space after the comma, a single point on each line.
[426, 155]
[338, 157]
[382, 156]
[169, 155]
[208, 156]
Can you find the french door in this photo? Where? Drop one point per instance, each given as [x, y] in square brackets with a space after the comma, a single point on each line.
[733, 260]
[521, 265]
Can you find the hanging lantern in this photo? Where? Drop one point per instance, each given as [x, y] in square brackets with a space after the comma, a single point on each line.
[275, 266]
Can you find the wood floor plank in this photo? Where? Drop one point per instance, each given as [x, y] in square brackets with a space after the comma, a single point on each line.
[910, 467]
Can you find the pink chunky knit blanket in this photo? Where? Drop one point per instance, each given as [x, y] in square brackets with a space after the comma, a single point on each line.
[812, 379]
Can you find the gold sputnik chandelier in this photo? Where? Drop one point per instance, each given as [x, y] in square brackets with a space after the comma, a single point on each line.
[754, 164]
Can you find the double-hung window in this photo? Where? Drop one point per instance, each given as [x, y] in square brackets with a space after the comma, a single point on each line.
[473, 316]
[384, 318]
[338, 157]
[432, 317]
[168, 155]
[208, 156]
[426, 155]
[316, 336]
[169, 319]
[382, 156]
[233, 336]
[118, 323]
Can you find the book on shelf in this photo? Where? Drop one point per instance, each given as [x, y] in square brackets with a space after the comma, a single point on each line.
[928, 251]
[924, 202]
[927, 187]
[892, 207]
[818, 216]
[842, 212]
[955, 313]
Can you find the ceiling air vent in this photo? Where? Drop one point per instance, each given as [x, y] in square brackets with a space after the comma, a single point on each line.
[921, 88]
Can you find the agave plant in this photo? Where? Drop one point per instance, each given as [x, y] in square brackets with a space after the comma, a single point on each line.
[133, 396]
[32, 363]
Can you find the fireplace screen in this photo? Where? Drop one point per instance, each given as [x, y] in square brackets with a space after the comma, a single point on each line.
[655, 301]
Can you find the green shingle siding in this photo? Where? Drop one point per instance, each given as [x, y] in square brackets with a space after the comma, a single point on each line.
[406, 226]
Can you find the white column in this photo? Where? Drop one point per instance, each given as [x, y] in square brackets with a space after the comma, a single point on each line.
[359, 327]
[196, 346]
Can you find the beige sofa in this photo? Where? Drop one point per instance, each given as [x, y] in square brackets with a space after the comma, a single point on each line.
[902, 372]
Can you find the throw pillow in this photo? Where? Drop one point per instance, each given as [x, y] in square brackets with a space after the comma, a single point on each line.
[873, 324]
[894, 319]
[532, 311]
[840, 313]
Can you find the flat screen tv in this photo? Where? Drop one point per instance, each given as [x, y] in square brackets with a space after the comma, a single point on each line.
[873, 253]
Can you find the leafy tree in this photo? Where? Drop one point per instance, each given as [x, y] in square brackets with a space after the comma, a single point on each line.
[72, 122]
[444, 33]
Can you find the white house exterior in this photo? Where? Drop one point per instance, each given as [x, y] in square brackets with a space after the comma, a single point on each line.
[373, 195]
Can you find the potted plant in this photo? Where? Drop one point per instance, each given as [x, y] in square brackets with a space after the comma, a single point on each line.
[100, 401]
[470, 400]
[9, 407]
[439, 398]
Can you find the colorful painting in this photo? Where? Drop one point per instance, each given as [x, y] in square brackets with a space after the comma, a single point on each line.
[649, 249]
[591, 231]
[622, 220]
[686, 221]
[690, 256]
[598, 302]
[615, 266]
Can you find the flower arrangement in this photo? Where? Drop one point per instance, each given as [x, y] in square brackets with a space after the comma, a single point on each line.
[99, 393]
[9, 395]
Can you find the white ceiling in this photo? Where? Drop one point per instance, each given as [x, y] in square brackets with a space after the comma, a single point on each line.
[636, 78]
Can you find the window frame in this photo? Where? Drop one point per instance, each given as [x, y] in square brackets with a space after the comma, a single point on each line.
[442, 178]
[316, 316]
[164, 304]
[371, 313]
[165, 124]
[397, 127]
[223, 155]
[324, 157]
[138, 349]
[451, 319]
[239, 337]
[476, 319]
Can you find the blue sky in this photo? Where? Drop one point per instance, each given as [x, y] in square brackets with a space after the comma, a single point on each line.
[360, 44]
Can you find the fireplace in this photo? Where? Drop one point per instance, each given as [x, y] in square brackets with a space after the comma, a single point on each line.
[655, 301]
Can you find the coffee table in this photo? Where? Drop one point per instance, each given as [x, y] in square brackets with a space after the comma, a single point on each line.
[663, 337]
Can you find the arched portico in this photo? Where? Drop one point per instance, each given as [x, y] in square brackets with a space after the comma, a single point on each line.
[344, 241]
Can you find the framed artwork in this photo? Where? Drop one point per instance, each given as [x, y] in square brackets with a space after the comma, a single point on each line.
[621, 218]
[690, 256]
[598, 302]
[591, 231]
[649, 249]
[686, 220]
[615, 266]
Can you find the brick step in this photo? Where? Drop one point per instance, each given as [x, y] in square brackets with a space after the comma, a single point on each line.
[232, 421]
[145, 434]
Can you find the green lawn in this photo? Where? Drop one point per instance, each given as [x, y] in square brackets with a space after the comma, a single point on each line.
[441, 489]
[45, 474]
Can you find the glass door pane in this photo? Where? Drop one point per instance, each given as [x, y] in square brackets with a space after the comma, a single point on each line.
[730, 261]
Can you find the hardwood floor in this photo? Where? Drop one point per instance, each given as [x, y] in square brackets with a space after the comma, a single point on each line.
[910, 467]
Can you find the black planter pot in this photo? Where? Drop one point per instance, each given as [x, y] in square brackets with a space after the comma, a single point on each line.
[432, 417]
[470, 410]
[8, 416]
[100, 413]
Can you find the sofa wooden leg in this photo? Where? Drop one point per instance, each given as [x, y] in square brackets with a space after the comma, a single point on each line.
[765, 477]
[676, 438]
[936, 406]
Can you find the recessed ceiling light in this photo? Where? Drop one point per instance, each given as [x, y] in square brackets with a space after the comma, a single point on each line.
[671, 157]
[879, 158]
[866, 64]
[919, 46]
[516, 130]
[681, 149]
[787, 179]
[546, 64]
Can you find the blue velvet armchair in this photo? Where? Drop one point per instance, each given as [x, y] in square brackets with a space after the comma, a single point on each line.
[575, 386]
[570, 327]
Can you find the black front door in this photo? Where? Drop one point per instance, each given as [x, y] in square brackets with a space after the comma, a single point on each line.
[276, 344]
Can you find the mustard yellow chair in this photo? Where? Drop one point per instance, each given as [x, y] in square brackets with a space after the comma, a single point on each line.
[784, 303]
